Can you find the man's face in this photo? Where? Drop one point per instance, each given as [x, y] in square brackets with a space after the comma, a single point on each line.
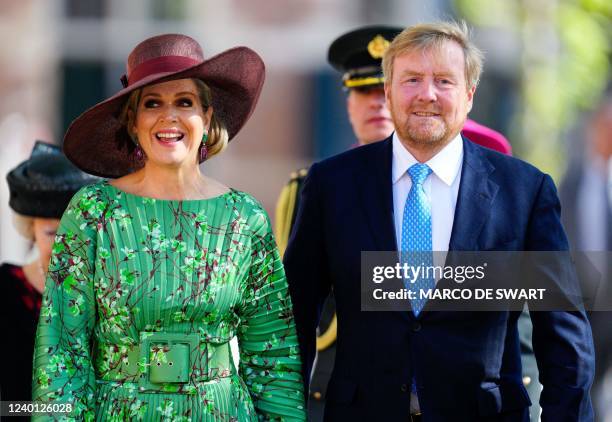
[428, 96]
[368, 114]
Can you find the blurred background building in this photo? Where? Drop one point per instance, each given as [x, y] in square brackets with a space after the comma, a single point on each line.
[544, 63]
[547, 63]
[62, 56]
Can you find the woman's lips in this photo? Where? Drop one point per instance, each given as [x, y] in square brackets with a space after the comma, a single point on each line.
[169, 137]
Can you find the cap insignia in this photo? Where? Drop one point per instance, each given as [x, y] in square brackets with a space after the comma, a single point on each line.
[378, 46]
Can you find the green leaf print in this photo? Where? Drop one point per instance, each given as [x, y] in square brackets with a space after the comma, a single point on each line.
[125, 266]
[69, 283]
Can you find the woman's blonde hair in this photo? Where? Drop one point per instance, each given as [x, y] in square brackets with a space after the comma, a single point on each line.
[24, 225]
[217, 133]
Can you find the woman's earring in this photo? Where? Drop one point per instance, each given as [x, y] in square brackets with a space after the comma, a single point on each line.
[204, 148]
[138, 154]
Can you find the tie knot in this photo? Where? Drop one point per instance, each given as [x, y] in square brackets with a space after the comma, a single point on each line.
[418, 173]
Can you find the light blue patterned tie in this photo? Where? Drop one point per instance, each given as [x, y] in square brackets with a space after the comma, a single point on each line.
[416, 234]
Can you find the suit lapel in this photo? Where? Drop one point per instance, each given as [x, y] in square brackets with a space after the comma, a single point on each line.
[474, 201]
[376, 195]
[476, 194]
[377, 203]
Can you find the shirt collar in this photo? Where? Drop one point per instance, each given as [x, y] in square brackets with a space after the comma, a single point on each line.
[445, 164]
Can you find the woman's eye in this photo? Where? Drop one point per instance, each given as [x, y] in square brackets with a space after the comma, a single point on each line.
[185, 102]
[151, 104]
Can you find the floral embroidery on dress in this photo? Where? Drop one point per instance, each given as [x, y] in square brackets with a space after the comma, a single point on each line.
[140, 288]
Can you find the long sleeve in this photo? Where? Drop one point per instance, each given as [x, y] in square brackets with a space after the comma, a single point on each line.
[63, 371]
[269, 354]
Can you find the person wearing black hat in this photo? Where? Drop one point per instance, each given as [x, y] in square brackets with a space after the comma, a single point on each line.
[40, 190]
[154, 272]
[357, 55]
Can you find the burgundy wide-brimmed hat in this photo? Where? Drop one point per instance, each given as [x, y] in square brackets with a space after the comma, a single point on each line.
[99, 144]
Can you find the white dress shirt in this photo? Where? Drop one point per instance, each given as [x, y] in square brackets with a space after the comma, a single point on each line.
[441, 188]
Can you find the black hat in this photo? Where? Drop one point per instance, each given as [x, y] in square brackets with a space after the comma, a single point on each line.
[358, 54]
[43, 185]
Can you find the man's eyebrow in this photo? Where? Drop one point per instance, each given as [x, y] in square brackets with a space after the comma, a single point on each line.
[447, 74]
[411, 72]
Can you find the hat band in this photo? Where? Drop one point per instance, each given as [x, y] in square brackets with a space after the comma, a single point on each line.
[355, 83]
[164, 64]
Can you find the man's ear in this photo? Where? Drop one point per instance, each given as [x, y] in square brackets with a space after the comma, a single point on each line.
[387, 87]
[470, 97]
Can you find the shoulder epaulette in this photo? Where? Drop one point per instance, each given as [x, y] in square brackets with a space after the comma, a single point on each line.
[287, 206]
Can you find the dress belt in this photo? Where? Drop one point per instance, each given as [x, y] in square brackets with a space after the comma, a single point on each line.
[166, 362]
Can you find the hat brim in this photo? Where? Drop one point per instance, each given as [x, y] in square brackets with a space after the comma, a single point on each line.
[43, 185]
[98, 143]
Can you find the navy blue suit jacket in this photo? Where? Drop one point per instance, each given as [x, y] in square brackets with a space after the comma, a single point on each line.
[466, 364]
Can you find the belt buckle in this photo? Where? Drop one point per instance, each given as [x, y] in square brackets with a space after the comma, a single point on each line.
[166, 358]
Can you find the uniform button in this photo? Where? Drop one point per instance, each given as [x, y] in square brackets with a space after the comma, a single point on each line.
[526, 381]
[416, 326]
[404, 388]
[316, 395]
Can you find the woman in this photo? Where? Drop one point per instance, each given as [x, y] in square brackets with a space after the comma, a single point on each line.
[40, 189]
[154, 272]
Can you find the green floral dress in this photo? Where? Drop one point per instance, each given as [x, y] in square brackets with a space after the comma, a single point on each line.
[141, 300]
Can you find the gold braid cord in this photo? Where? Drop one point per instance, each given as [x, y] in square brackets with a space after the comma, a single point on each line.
[285, 208]
[329, 336]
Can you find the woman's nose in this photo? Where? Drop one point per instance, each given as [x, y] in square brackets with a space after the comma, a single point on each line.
[169, 113]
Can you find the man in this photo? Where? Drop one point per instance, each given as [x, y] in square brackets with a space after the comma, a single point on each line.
[357, 55]
[431, 366]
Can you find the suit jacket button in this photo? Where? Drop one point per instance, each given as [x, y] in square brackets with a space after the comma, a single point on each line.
[404, 388]
[416, 326]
